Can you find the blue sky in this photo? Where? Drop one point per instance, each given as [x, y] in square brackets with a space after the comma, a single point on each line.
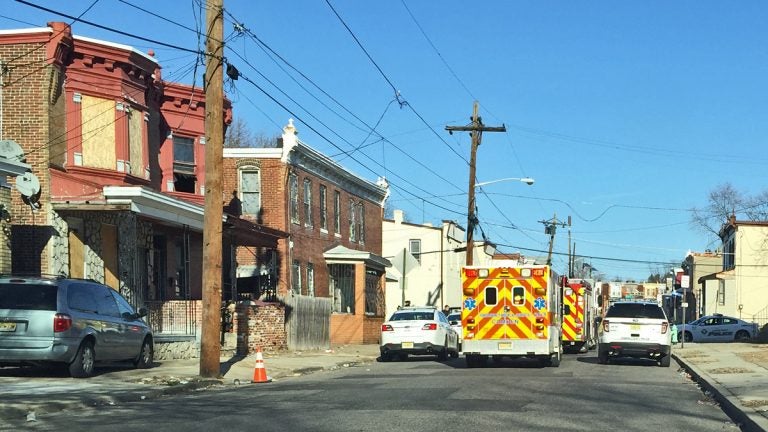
[626, 113]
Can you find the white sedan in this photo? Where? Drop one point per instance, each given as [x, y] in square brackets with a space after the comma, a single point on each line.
[455, 319]
[717, 328]
[418, 331]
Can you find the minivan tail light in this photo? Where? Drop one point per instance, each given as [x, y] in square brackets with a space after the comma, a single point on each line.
[61, 322]
[664, 327]
[430, 326]
[606, 326]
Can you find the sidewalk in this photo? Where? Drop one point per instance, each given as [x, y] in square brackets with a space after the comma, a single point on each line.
[29, 393]
[735, 374]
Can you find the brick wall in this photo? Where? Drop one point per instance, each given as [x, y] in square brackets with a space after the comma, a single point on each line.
[260, 326]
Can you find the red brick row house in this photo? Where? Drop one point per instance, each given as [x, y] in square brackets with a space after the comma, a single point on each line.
[334, 221]
[119, 154]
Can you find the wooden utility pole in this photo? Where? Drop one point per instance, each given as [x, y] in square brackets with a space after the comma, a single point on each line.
[210, 348]
[475, 129]
[550, 227]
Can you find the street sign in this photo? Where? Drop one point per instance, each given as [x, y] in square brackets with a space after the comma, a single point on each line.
[685, 304]
[685, 281]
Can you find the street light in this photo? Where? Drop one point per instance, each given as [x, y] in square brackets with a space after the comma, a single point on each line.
[471, 206]
[527, 180]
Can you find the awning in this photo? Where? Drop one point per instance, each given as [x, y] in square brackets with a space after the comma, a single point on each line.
[721, 275]
[345, 255]
[243, 232]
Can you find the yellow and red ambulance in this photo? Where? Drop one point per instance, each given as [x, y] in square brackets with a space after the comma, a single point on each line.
[511, 311]
[579, 311]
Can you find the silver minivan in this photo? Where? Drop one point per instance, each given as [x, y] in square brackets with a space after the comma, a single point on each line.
[73, 322]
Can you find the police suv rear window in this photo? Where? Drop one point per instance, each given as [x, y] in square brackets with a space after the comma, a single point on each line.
[413, 316]
[635, 310]
[28, 296]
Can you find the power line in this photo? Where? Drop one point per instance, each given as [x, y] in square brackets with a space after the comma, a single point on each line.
[131, 35]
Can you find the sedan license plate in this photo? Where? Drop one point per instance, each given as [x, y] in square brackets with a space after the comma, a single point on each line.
[634, 327]
[505, 345]
[7, 326]
[407, 344]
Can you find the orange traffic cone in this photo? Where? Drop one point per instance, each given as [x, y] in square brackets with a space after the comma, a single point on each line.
[259, 371]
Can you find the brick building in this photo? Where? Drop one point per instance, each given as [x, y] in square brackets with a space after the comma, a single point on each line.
[334, 221]
[118, 153]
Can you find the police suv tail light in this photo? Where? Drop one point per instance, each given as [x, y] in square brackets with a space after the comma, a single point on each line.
[606, 326]
[386, 327]
[61, 322]
[664, 327]
[430, 326]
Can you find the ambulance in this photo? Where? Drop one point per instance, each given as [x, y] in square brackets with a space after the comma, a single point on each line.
[579, 312]
[511, 311]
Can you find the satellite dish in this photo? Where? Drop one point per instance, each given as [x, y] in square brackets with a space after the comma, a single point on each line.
[10, 149]
[28, 185]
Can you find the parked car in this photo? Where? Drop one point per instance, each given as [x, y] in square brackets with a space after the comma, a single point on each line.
[455, 320]
[419, 331]
[69, 322]
[635, 329]
[717, 328]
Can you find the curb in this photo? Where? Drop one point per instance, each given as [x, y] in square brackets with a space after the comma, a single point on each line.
[747, 421]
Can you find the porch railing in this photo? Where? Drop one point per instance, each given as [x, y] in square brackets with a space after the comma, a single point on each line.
[173, 317]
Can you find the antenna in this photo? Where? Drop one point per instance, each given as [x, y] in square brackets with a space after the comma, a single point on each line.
[10, 149]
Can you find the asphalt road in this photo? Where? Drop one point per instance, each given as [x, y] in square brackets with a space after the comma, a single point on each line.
[424, 395]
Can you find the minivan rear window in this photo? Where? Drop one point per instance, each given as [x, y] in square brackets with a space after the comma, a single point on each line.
[635, 310]
[28, 296]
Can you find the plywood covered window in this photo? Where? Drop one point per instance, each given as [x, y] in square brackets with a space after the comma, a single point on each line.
[250, 191]
[98, 132]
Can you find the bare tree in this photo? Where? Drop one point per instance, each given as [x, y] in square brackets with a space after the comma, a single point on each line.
[722, 202]
[239, 135]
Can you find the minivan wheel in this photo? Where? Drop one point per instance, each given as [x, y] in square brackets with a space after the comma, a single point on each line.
[146, 355]
[82, 365]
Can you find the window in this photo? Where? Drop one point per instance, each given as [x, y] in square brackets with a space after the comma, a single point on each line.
[491, 297]
[518, 296]
[415, 248]
[729, 253]
[293, 183]
[310, 279]
[307, 202]
[250, 189]
[721, 293]
[323, 207]
[296, 277]
[342, 285]
[352, 225]
[184, 164]
[337, 212]
[361, 223]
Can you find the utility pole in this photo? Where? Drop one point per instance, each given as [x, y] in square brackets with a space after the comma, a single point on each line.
[475, 129]
[571, 252]
[210, 348]
[550, 227]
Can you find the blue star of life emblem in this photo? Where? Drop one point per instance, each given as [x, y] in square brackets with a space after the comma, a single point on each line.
[539, 303]
[469, 304]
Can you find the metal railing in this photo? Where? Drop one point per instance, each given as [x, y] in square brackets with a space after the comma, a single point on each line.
[761, 318]
[173, 317]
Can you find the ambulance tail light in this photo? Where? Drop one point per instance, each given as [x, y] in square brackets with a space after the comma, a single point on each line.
[540, 291]
[540, 320]
[469, 292]
[539, 326]
[664, 327]
[579, 330]
[606, 326]
[386, 328]
[470, 273]
[430, 326]
[470, 321]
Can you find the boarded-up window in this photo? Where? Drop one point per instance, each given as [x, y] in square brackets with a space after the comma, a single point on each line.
[250, 188]
[136, 142]
[98, 132]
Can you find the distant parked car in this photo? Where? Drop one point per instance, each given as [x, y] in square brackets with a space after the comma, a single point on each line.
[455, 320]
[71, 322]
[717, 328]
[419, 331]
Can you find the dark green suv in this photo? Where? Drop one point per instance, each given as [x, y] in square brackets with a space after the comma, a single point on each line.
[72, 322]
